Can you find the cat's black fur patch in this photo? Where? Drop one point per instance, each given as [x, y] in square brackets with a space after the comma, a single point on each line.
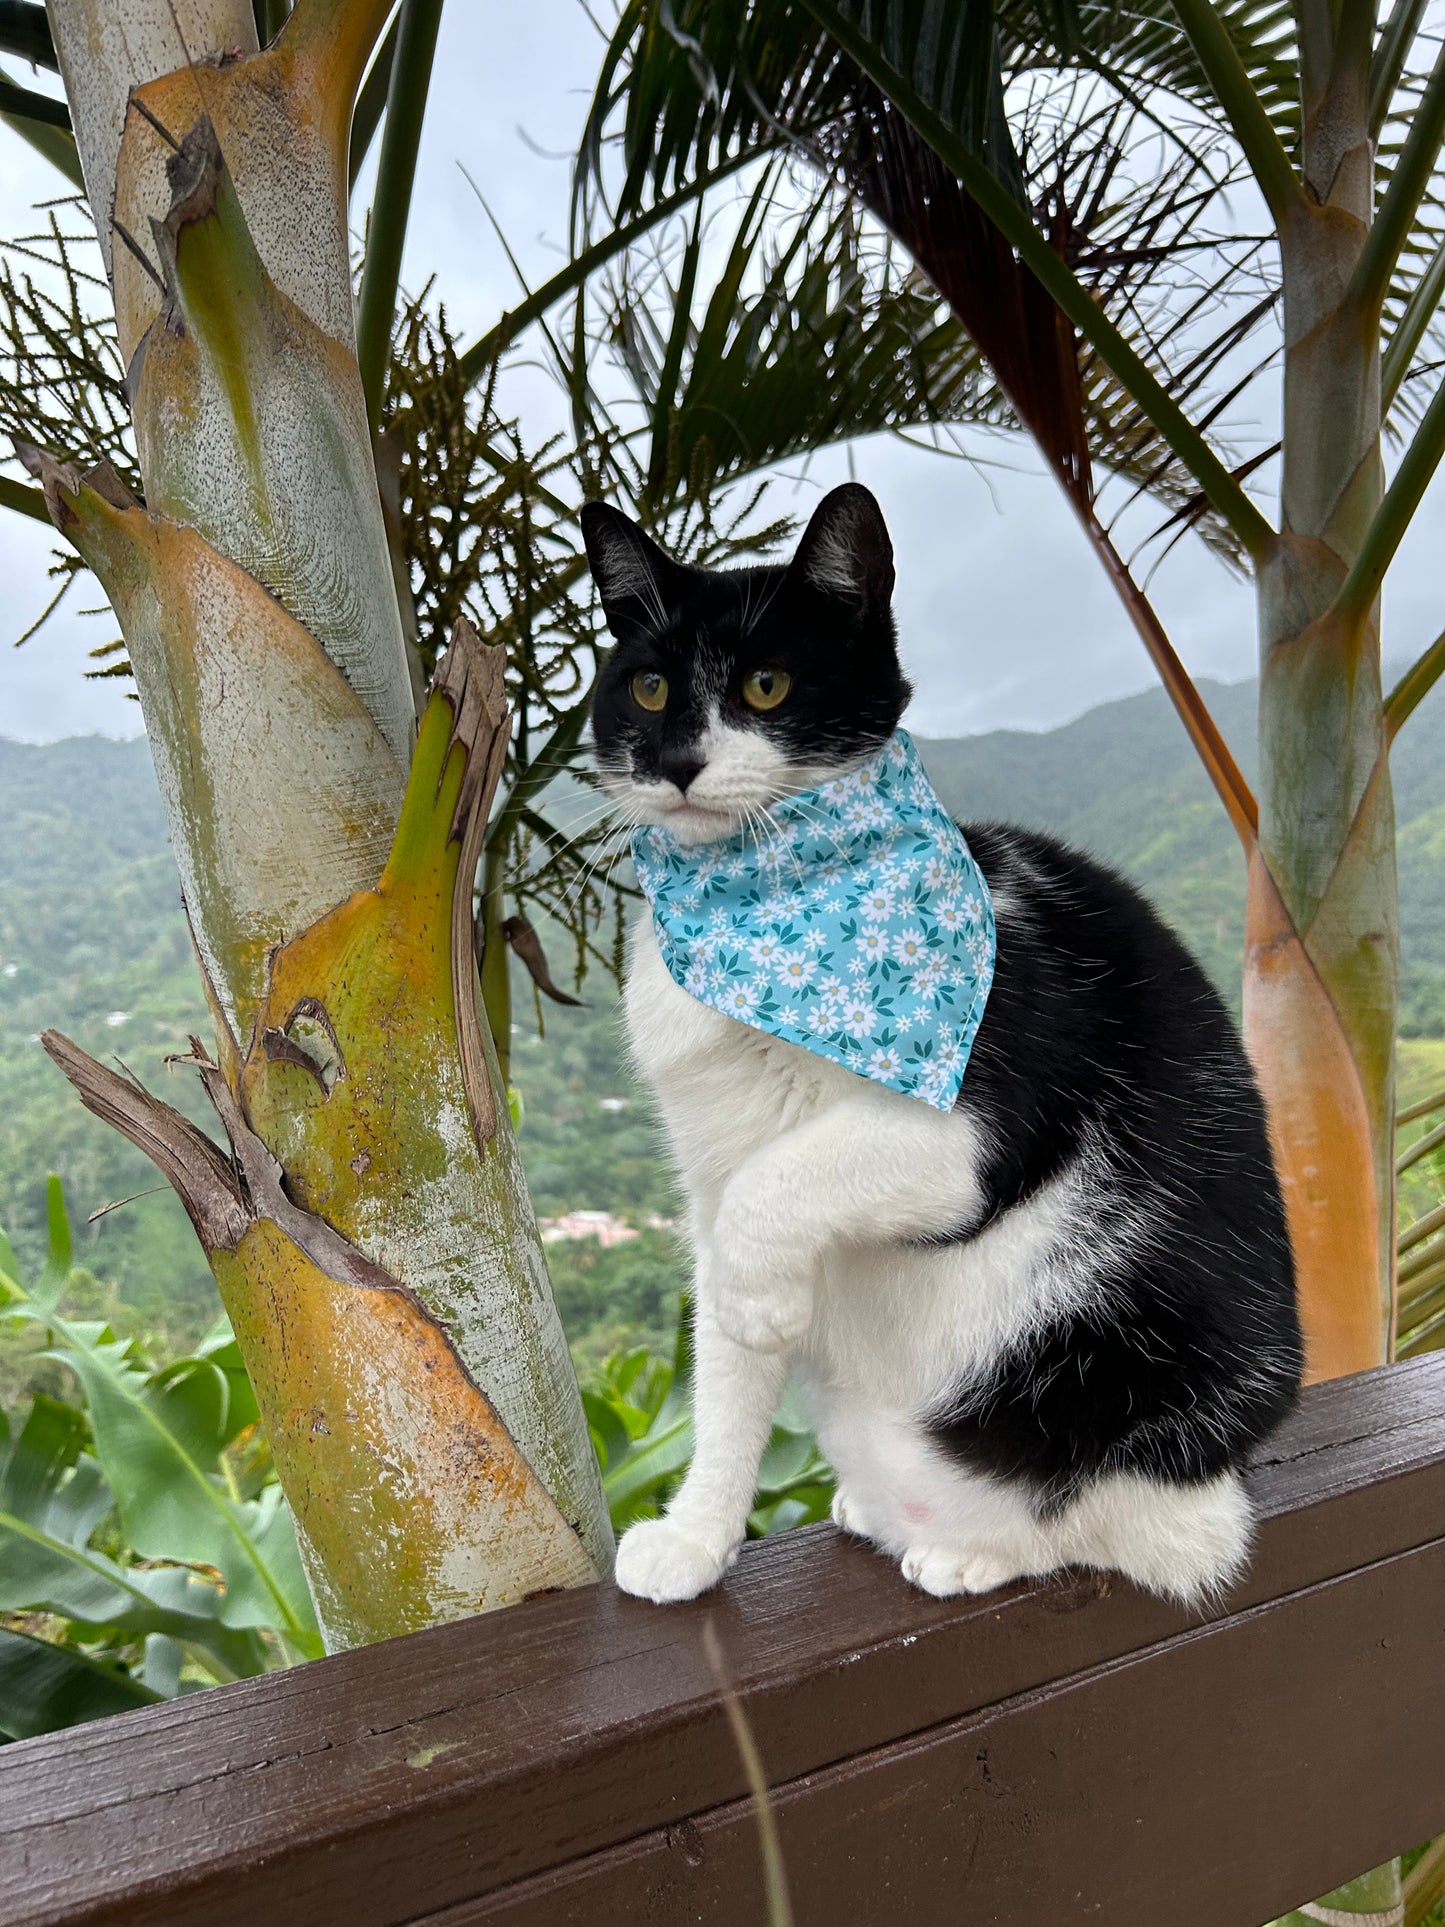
[1103, 1039]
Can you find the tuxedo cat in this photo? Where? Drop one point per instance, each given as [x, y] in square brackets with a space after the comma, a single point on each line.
[1043, 1327]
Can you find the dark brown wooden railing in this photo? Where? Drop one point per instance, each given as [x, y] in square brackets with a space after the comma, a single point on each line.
[1053, 1754]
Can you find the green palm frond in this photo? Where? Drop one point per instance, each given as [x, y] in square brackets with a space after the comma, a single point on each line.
[686, 84]
[1143, 52]
[819, 292]
[1412, 307]
[25, 32]
[1139, 214]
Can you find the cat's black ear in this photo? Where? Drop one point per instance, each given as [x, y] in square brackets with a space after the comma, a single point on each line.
[634, 578]
[845, 551]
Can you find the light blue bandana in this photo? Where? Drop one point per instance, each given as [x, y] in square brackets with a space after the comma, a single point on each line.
[857, 925]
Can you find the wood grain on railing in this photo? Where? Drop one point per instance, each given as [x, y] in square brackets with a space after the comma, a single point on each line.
[1064, 1752]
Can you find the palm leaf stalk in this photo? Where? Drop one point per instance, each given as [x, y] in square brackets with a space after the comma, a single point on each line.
[409, 78]
[37, 118]
[369, 1207]
[1322, 923]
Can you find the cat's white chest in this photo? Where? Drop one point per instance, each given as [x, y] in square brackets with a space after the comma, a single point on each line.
[896, 1322]
[724, 1089]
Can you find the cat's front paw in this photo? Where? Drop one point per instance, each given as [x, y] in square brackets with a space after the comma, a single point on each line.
[945, 1574]
[658, 1560]
[848, 1515]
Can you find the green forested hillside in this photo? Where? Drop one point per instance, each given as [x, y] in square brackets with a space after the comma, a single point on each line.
[92, 940]
[1123, 783]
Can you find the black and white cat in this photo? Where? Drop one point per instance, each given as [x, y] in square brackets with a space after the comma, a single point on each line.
[1044, 1328]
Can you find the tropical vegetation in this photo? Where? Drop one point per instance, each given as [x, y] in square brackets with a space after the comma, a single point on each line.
[1108, 230]
[146, 1549]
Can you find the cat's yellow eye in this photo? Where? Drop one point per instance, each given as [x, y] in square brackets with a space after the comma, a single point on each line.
[766, 688]
[649, 690]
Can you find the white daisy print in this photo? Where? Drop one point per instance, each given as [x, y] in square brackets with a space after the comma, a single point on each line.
[741, 999]
[876, 905]
[947, 1056]
[910, 946]
[884, 1064]
[860, 1019]
[934, 1089]
[865, 814]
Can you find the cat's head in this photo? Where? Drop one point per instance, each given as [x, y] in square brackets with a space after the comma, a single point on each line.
[731, 688]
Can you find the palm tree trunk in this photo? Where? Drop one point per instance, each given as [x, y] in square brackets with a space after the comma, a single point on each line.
[374, 1243]
[1322, 945]
[1321, 975]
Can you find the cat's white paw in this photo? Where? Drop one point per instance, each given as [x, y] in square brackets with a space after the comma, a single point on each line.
[946, 1572]
[846, 1515]
[657, 1560]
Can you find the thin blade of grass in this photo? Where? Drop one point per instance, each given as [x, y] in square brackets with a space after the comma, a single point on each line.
[775, 1878]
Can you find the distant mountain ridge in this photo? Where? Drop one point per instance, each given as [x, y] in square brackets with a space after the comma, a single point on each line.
[1123, 783]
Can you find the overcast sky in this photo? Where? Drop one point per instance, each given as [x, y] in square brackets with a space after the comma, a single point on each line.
[1005, 618]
